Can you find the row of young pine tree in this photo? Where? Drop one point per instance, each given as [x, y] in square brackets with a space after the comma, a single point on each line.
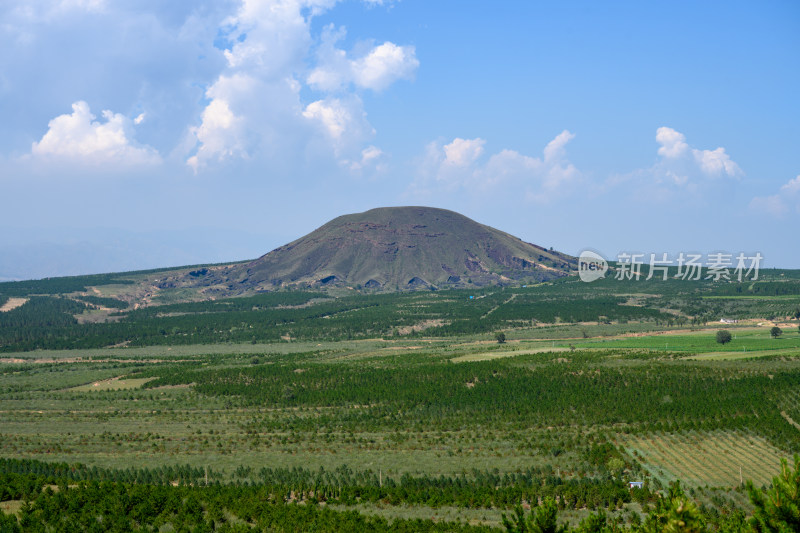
[117, 506]
[23, 479]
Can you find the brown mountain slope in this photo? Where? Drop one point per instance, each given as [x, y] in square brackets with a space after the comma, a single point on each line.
[393, 248]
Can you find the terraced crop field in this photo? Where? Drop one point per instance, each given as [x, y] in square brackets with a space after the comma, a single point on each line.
[712, 459]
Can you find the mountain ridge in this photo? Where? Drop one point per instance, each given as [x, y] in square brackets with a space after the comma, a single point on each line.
[390, 248]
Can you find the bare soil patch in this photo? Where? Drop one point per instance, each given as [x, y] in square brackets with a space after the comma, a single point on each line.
[421, 326]
[12, 304]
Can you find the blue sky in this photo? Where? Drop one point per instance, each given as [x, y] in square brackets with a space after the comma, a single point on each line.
[139, 134]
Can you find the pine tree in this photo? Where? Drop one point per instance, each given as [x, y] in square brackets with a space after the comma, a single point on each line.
[542, 519]
[779, 510]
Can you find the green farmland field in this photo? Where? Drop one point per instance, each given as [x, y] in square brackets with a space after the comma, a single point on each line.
[399, 410]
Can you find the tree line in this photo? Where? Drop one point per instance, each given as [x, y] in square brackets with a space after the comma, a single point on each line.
[93, 505]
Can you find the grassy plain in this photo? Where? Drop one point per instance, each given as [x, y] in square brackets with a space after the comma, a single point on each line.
[754, 340]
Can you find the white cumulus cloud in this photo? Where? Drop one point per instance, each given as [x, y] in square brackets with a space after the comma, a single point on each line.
[463, 152]
[384, 65]
[342, 121]
[79, 138]
[373, 161]
[716, 162]
[673, 143]
[457, 166]
[257, 94]
[556, 149]
[255, 105]
[331, 114]
[333, 70]
[380, 67]
[682, 164]
[219, 134]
